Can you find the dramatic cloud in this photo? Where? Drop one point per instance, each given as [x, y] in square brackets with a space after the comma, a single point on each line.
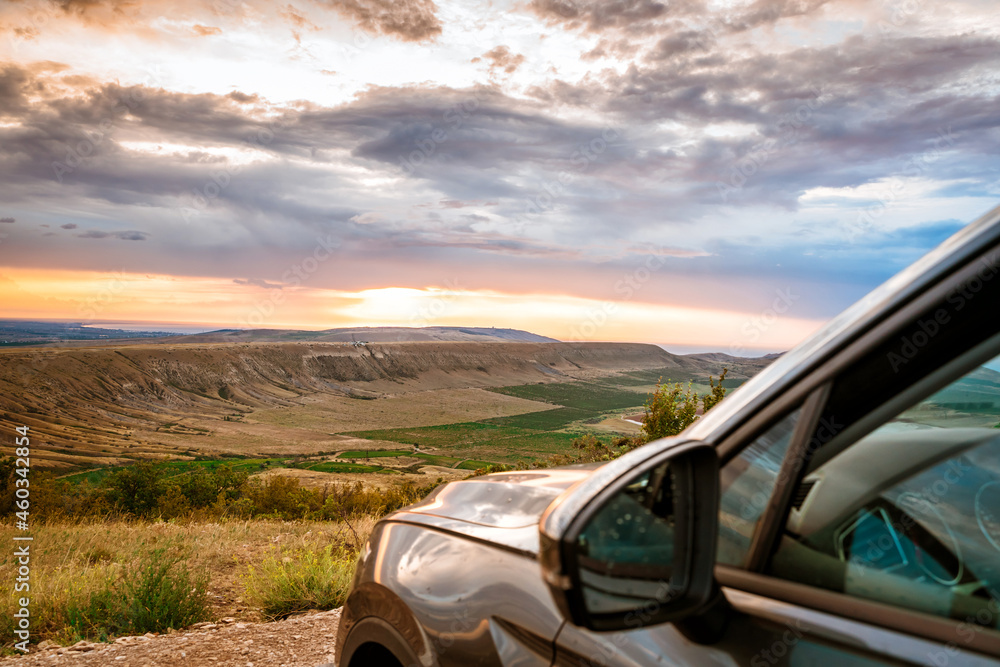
[124, 236]
[409, 20]
[738, 150]
[598, 15]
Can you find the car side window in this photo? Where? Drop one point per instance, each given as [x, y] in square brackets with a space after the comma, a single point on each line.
[747, 483]
[909, 515]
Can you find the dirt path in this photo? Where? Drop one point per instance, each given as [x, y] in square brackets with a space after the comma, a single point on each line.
[302, 641]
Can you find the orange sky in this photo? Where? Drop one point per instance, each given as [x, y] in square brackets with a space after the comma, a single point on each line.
[96, 297]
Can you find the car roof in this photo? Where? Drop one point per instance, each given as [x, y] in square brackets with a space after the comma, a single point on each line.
[970, 241]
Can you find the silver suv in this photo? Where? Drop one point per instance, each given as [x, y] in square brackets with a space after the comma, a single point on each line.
[842, 507]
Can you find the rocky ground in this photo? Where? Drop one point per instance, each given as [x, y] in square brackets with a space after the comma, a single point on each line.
[301, 641]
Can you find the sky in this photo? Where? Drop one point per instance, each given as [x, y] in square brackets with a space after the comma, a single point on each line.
[712, 174]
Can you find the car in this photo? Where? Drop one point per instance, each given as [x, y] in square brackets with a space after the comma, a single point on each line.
[841, 507]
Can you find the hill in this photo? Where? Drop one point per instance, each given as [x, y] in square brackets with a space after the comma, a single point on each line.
[105, 405]
[68, 335]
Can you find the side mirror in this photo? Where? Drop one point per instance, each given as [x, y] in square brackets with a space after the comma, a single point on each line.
[634, 544]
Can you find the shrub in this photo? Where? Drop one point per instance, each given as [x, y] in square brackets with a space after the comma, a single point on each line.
[292, 582]
[346, 500]
[281, 497]
[155, 594]
[717, 393]
[671, 409]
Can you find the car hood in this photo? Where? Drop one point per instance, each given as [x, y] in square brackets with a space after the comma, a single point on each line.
[502, 508]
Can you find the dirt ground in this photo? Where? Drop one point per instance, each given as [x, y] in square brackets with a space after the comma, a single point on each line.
[301, 641]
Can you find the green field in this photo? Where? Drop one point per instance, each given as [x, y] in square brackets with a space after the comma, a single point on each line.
[546, 420]
[374, 453]
[531, 435]
[464, 445]
[591, 396]
[433, 459]
[178, 468]
[478, 440]
[669, 375]
[337, 466]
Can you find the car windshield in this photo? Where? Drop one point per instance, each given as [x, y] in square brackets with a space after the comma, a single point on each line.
[910, 514]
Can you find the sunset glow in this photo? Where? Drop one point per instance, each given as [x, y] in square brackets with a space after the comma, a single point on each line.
[625, 171]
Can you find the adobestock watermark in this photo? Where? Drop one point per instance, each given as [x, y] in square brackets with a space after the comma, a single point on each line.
[866, 556]
[462, 624]
[970, 628]
[927, 328]
[900, 12]
[581, 159]
[914, 167]
[438, 305]
[629, 284]
[296, 274]
[91, 307]
[755, 327]
[753, 504]
[220, 179]
[36, 20]
[789, 128]
[426, 147]
[359, 42]
[606, 652]
[779, 649]
[79, 152]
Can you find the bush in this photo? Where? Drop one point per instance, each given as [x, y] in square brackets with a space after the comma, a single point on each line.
[135, 489]
[156, 594]
[281, 498]
[671, 409]
[292, 582]
[143, 491]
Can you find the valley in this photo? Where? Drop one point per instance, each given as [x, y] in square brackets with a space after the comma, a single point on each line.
[307, 409]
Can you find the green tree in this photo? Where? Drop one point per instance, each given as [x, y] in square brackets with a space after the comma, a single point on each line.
[135, 489]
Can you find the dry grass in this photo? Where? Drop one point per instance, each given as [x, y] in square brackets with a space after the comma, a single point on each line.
[72, 561]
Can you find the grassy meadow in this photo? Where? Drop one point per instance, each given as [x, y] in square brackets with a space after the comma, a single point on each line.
[245, 569]
[208, 499]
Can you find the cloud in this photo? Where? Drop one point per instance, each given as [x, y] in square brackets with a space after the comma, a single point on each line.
[408, 20]
[598, 15]
[8, 220]
[243, 98]
[257, 282]
[205, 30]
[665, 251]
[501, 58]
[765, 12]
[130, 235]
[584, 176]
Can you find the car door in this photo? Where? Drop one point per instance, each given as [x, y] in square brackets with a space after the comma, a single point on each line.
[834, 546]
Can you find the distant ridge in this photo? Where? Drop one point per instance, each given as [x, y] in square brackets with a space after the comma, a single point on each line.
[340, 335]
[364, 334]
